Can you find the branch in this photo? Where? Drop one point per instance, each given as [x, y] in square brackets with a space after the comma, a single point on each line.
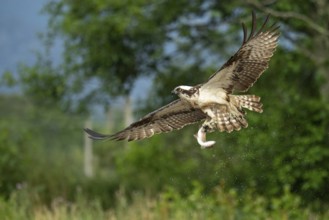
[290, 14]
[315, 58]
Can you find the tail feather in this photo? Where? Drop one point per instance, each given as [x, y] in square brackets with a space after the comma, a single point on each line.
[227, 122]
[250, 102]
[233, 121]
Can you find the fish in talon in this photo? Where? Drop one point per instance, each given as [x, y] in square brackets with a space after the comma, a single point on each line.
[201, 138]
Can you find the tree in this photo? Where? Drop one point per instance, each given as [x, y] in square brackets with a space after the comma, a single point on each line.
[108, 45]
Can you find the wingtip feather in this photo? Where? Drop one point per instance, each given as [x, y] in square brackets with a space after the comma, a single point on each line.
[253, 25]
[95, 135]
[244, 28]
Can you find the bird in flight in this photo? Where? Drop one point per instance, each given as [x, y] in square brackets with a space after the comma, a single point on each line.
[212, 102]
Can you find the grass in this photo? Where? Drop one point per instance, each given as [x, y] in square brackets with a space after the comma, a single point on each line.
[169, 205]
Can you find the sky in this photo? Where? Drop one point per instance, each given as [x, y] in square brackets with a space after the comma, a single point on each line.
[20, 23]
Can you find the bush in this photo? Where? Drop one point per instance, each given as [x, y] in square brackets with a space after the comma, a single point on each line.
[220, 204]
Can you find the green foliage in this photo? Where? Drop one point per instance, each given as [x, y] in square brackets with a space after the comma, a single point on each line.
[9, 161]
[31, 142]
[7, 79]
[221, 204]
[275, 169]
[12, 142]
[110, 43]
[158, 162]
[43, 85]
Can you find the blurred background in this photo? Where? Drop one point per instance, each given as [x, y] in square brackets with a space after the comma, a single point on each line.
[102, 64]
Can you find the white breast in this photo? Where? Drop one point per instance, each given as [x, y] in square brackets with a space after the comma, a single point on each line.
[209, 96]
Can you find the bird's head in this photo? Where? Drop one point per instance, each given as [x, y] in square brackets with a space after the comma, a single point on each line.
[184, 91]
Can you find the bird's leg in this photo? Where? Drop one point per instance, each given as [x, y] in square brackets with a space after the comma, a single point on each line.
[201, 136]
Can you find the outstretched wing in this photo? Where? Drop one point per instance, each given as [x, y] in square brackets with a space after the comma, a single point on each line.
[242, 70]
[173, 116]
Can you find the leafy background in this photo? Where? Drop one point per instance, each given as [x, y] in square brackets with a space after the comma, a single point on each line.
[277, 168]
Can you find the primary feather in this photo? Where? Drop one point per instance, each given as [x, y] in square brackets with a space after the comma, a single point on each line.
[173, 116]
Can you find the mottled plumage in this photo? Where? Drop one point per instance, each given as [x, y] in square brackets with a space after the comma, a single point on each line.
[175, 115]
[212, 101]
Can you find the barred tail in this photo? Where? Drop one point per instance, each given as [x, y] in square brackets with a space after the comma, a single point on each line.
[250, 102]
[228, 122]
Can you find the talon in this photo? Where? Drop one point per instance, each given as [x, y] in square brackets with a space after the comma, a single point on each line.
[201, 138]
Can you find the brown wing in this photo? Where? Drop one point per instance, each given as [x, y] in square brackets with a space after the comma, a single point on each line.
[242, 70]
[173, 116]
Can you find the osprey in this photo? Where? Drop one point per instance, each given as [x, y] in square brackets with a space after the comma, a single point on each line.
[212, 102]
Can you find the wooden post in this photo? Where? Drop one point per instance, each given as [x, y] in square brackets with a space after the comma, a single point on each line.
[109, 120]
[128, 115]
[88, 152]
